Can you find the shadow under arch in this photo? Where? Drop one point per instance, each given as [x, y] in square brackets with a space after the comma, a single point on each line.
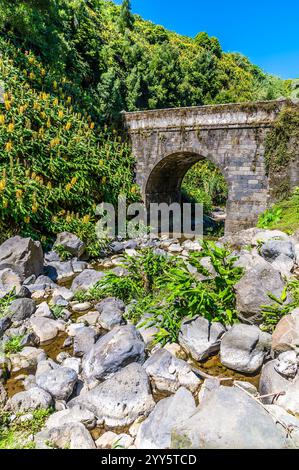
[165, 180]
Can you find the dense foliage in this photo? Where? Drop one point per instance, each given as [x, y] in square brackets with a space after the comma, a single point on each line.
[163, 291]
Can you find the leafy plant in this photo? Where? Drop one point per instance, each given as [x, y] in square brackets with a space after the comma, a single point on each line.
[63, 253]
[281, 306]
[269, 217]
[5, 302]
[13, 345]
[57, 311]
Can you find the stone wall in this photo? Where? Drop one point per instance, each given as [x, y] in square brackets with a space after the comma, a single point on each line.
[167, 143]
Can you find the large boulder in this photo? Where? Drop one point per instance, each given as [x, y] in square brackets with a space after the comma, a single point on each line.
[23, 255]
[111, 312]
[168, 374]
[59, 382]
[286, 333]
[121, 399]
[45, 328]
[115, 350]
[201, 338]
[20, 309]
[87, 279]
[283, 392]
[253, 236]
[228, 419]
[30, 400]
[67, 436]
[244, 347]
[155, 431]
[84, 339]
[71, 243]
[252, 291]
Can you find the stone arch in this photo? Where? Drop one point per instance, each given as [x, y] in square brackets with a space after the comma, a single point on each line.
[165, 179]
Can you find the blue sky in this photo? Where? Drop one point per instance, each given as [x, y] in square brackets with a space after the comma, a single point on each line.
[266, 31]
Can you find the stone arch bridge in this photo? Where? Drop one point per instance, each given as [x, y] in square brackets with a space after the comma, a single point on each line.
[166, 143]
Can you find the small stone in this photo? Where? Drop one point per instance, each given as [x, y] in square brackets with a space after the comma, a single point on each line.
[58, 382]
[20, 309]
[32, 399]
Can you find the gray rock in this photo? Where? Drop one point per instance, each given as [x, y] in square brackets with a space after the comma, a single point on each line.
[275, 248]
[60, 270]
[244, 347]
[200, 338]
[286, 333]
[168, 374]
[272, 382]
[252, 291]
[33, 399]
[43, 310]
[121, 399]
[23, 255]
[20, 309]
[9, 280]
[287, 364]
[45, 328]
[70, 243]
[67, 436]
[111, 440]
[58, 382]
[228, 419]
[87, 279]
[111, 313]
[155, 431]
[84, 339]
[28, 358]
[115, 350]
[281, 416]
[4, 325]
[30, 339]
[73, 415]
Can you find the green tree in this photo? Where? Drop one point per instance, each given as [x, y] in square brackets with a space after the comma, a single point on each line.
[126, 18]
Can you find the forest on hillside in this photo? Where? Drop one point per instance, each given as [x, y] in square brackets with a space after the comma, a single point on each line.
[69, 68]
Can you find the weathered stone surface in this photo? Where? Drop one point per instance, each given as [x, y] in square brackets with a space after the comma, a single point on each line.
[155, 431]
[67, 436]
[121, 399]
[45, 328]
[72, 415]
[33, 399]
[274, 383]
[244, 347]
[292, 423]
[275, 248]
[20, 309]
[286, 333]
[58, 382]
[23, 255]
[9, 280]
[252, 237]
[111, 312]
[168, 374]
[252, 291]
[200, 338]
[70, 243]
[111, 440]
[28, 358]
[287, 364]
[116, 349]
[43, 310]
[228, 419]
[83, 341]
[87, 279]
[4, 325]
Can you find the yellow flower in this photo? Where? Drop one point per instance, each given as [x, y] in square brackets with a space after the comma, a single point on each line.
[21, 109]
[43, 72]
[19, 194]
[10, 127]
[6, 96]
[49, 122]
[36, 106]
[27, 219]
[60, 114]
[41, 131]
[54, 142]
[86, 219]
[101, 162]
[8, 146]
[34, 208]
[55, 102]
[74, 181]
[2, 184]
[68, 126]
[49, 185]
[33, 175]
[54, 84]
[91, 125]
[104, 179]
[5, 203]
[32, 75]
[7, 105]
[31, 60]
[43, 115]
[2, 119]
[69, 100]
